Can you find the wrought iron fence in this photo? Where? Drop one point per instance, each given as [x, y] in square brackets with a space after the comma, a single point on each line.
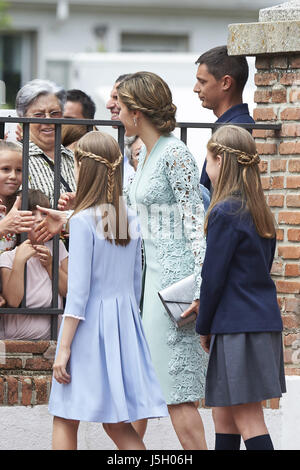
[54, 310]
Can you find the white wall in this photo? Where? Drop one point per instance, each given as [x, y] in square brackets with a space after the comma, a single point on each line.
[76, 34]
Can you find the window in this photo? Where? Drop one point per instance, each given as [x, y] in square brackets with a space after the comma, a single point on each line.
[16, 62]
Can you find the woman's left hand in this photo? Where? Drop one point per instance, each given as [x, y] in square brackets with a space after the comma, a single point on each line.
[205, 342]
[194, 307]
[59, 367]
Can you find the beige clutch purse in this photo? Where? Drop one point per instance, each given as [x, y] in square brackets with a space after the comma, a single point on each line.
[176, 299]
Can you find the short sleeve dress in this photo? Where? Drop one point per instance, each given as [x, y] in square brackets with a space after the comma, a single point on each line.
[167, 197]
[112, 376]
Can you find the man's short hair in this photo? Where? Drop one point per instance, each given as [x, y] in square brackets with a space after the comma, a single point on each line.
[219, 63]
[123, 77]
[88, 105]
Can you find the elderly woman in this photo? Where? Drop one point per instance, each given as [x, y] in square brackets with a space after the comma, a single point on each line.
[44, 99]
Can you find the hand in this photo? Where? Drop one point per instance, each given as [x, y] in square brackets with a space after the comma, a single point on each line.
[25, 251]
[17, 221]
[2, 207]
[2, 301]
[205, 342]
[66, 201]
[59, 367]
[51, 225]
[19, 133]
[194, 307]
[44, 255]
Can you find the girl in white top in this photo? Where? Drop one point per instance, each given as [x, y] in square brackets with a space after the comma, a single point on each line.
[39, 279]
[12, 220]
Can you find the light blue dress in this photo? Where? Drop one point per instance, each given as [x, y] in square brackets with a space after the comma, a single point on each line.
[167, 196]
[112, 377]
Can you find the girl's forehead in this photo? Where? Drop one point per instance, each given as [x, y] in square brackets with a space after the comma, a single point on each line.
[10, 156]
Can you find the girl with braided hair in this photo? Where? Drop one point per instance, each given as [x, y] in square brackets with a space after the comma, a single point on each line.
[102, 370]
[239, 319]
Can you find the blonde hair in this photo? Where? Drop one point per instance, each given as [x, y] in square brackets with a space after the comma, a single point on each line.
[10, 146]
[150, 94]
[7, 146]
[100, 183]
[240, 176]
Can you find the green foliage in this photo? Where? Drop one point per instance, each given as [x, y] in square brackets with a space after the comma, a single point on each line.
[5, 19]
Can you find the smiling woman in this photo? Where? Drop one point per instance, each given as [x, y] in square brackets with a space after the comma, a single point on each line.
[44, 99]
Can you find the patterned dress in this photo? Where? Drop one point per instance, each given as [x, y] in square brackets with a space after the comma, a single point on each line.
[7, 241]
[166, 194]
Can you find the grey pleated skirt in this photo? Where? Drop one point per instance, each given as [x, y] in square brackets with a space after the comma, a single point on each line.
[244, 368]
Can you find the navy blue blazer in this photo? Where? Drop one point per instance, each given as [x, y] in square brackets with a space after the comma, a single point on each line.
[237, 293]
[236, 114]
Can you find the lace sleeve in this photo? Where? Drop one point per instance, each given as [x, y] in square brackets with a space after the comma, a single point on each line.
[183, 176]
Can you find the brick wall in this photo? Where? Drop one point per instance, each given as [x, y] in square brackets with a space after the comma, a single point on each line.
[25, 372]
[278, 100]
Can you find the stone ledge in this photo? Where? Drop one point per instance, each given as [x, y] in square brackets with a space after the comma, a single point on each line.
[252, 39]
[288, 11]
[32, 347]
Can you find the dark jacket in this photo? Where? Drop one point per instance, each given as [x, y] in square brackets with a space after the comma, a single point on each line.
[236, 114]
[237, 293]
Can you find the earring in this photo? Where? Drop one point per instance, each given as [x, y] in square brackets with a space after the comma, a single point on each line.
[134, 121]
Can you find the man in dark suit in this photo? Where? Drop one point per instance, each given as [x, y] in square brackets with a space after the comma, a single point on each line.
[220, 83]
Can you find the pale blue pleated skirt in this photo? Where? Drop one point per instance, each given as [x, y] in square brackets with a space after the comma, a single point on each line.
[112, 377]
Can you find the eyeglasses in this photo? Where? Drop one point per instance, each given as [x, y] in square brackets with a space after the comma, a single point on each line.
[51, 115]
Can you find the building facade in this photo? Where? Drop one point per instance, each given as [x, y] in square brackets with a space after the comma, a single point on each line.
[38, 28]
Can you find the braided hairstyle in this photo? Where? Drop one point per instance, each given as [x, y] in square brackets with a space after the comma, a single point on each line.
[240, 176]
[150, 94]
[110, 167]
[243, 158]
[99, 184]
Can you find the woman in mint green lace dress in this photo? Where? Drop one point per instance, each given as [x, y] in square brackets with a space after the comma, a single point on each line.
[167, 197]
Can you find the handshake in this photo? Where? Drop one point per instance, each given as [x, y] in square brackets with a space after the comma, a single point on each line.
[16, 220]
[55, 220]
[19, 221]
